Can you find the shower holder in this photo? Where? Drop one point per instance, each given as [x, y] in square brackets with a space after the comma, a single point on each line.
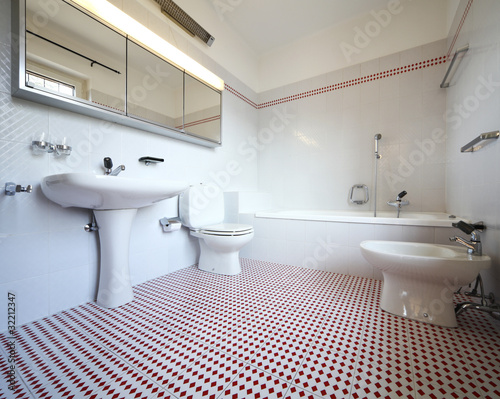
[363, 187]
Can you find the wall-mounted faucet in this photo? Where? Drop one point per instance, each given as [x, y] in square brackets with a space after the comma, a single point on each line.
[108, 167]
[399, 202]
[473, 245]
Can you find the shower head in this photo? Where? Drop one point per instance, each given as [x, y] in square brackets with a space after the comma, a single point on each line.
[378, 136]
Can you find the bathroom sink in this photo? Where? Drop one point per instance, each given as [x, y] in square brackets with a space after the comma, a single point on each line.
[87, 190]
[114, 201]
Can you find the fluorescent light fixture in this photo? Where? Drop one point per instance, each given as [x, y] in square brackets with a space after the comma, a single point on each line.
[139, 32]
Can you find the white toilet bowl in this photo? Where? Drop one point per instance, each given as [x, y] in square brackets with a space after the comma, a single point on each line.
[220, 247]
[220, 243]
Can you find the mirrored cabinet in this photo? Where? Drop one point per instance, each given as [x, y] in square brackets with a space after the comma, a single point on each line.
[155, 88]
[67, 57]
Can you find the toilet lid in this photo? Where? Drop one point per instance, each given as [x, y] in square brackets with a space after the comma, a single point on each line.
[227, 229]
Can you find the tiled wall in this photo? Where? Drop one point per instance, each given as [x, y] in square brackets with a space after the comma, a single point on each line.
[473, 103]
[328, 144]
[47, 258]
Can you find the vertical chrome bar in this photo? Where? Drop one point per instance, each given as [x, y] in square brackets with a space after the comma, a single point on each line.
[377, 157]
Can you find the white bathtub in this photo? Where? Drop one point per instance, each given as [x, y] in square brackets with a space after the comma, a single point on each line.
[430, 219]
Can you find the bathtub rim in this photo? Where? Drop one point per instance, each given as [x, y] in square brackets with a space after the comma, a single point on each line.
[302, 214]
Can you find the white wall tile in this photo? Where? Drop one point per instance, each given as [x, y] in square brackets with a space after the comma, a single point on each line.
[295, 230]
[276, 250]
[360, 232]
[358, 266]
[388, 232]
[314, 256]
[68, 249]
[68, 287]
[338, 262]
[295, 251]
[315, 231]
[338, 233]
[24, 256]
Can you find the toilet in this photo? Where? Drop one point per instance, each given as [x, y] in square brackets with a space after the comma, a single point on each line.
[201, 209]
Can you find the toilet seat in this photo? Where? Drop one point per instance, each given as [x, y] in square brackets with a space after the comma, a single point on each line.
[226, 229]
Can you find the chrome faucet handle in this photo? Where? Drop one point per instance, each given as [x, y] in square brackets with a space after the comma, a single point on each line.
[401, 195]
[479, 226]
[108, 165]
[465, 227]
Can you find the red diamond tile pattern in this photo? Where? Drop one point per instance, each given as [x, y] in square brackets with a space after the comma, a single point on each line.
[274, 331]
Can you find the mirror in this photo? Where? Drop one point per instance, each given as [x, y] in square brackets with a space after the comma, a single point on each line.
[202, 111]
[73, 55]
[66, 58]
[154, 88]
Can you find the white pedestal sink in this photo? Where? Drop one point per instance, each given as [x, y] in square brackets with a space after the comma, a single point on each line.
[114, 200]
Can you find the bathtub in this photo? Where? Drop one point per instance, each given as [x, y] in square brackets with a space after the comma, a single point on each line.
[430, 219]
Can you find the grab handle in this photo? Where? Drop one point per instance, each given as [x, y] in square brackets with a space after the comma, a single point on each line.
[358, 201]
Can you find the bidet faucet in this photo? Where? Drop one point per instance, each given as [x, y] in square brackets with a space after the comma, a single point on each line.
[108, 167]
[474, 246]
[398, 203]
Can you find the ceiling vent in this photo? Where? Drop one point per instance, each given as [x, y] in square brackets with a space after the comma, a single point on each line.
[177, 14]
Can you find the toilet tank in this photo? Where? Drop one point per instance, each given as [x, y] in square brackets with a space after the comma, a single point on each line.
[201, 205]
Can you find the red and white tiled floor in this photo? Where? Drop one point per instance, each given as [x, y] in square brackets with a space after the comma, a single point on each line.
[273, 331]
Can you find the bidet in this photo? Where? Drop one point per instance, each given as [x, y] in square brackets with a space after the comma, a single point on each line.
[420, 278]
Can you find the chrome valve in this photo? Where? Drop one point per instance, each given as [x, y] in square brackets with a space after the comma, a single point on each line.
[13, 188]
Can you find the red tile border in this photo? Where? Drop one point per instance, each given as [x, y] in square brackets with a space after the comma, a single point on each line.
[342, 85]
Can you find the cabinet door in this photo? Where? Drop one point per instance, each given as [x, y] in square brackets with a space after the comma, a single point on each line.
[73, 55]
[154, 88]
[202, 110]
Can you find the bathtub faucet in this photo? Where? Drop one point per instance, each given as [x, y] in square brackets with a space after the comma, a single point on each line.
[398, 203]
[473, 245]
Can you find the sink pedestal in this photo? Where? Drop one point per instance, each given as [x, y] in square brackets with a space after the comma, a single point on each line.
[115, 287]
[114, 200]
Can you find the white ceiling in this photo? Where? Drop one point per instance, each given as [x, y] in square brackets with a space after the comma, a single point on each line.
[267, 24]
